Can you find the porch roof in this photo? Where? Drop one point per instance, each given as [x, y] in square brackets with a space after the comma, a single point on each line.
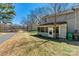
[53, 23]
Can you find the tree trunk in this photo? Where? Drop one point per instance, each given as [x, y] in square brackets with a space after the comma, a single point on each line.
[55, 23]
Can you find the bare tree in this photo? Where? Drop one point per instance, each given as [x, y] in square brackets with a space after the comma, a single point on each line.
[34, 18]
[56, 9]
[24, 23]
[38, 13]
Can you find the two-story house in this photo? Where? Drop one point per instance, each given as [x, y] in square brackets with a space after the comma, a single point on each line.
[67, 21]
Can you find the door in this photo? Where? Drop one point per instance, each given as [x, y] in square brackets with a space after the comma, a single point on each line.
[57, 32]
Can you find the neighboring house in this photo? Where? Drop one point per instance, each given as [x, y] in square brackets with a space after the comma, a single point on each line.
[67, 21]
[7, 28]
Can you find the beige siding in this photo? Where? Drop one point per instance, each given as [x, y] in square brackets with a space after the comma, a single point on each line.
[77, 20]
[69, 18]
[62, 31]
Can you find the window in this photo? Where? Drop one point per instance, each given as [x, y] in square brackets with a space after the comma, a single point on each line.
[45, 19]
[57, 29]
[38, 29]
[42, 29]
[46, 29]
[50, 32]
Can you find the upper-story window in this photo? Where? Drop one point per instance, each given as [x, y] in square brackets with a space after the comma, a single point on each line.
[45, 19]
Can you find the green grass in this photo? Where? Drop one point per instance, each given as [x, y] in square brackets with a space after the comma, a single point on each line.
[33, 32]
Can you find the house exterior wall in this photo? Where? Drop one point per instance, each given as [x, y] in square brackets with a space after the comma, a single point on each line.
[77, 20]
[69, 18]
[62, 31]
[71, 22]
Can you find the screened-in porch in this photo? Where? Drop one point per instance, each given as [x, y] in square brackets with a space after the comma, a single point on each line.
[48, 30]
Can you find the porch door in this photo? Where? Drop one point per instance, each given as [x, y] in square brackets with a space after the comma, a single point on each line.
[57, 32]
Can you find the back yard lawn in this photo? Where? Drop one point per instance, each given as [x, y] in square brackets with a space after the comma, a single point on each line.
[24, 44]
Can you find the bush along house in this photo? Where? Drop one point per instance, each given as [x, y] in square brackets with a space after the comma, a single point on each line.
[67, 21]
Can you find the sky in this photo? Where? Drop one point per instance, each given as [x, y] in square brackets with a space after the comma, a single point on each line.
[23, 9]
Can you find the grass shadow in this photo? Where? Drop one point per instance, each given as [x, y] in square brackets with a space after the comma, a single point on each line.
[71, 42]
